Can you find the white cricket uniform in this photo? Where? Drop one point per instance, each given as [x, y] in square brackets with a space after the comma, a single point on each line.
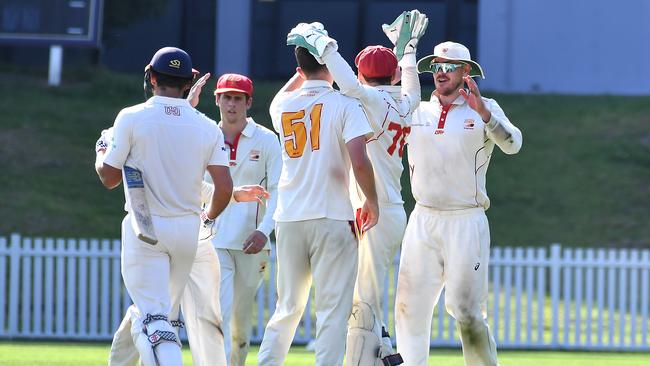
[389, 110]
[447, 240]
[172, 144]
[254, 159]
[314, 217]
[200, 307]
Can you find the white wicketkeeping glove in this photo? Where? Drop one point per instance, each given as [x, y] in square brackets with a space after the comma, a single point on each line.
[406, 31]
[314, 38]
[207, 230]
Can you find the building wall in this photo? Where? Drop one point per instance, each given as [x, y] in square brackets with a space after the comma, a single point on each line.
[560, 46]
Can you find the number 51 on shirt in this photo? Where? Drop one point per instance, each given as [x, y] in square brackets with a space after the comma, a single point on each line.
[295, 131]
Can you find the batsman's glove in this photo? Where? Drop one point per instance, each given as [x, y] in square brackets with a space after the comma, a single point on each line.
[104, 140]
[406, 31]
[314, 38]
[207, 230]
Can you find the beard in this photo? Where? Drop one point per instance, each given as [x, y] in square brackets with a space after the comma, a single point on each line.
[448, 89]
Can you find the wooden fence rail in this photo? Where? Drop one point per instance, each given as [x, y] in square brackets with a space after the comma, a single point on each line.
[562, 298]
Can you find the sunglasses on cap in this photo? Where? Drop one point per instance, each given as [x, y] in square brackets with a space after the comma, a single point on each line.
[445, 67]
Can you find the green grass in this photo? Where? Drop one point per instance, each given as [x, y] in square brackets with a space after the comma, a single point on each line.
[580, 178]
[86, 354]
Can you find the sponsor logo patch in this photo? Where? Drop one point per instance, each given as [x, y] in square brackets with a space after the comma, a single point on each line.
[172, 110]
[439, 132]
[175, 64]
[469, 124]
[255, 155]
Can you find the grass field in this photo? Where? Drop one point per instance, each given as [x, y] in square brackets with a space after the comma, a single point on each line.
[580, 178]
[87, 354]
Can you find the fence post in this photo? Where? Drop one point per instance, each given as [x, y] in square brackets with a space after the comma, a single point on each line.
[14, 283]
[3, 284]
[555, 263]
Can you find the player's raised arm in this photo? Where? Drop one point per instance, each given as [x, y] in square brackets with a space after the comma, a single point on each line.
[195, 90]
[324, 48]
[497, 126]
[405, 33]
[292, 84]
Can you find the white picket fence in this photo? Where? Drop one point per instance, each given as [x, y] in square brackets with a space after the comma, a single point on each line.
[71, 289]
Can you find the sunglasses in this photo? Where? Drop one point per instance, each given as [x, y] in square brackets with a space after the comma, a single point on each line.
[445, 67]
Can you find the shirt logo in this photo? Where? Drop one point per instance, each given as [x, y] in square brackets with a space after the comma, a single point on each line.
[172, 110]
[439, 132]
[469, 124]
[175, 64]
[255, 155]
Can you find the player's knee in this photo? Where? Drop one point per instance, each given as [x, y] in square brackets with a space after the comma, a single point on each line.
[149, 332]
[363, 343]
[362, 316]
[467, 317]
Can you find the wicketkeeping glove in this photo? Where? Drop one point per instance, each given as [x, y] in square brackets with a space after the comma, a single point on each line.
[207, 230]
[314, 38]
[406, 31]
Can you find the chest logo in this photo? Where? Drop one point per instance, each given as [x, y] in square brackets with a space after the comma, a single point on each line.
[469, 124]
[439, 132]
[255, 155]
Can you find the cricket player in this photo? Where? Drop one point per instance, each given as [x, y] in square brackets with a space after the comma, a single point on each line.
[200, 301]
[447, 239]
[389, 110]
[172, 144]
[243, 230]
[323, 133]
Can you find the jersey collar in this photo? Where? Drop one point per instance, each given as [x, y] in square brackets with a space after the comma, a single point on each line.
[249, 129]
[458, 101]
[315, 84]
[156, 99]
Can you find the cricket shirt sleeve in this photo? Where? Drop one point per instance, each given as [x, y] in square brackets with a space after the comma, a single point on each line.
[500, 130]
[355, 121]
[219, 152]
[273, 166]
[120, 145]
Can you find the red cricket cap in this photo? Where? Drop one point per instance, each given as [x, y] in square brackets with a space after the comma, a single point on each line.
[376, 62]
[234, 83]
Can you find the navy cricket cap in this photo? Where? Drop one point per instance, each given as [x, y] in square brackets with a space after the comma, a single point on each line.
[172, 61]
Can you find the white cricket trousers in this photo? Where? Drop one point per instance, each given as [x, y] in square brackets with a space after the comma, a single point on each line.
[325, 250]
[201, 309]
[444, 249]
[200, 306]
[241, 276]
[155, 275]
[376, 254]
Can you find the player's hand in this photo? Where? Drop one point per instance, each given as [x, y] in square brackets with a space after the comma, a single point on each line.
[474, 100]
[405, 31]
[195, 91]
[250, 193]
[314, 38]
[104, 139]
[255, 242]
[369, 216]
[207, 230]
